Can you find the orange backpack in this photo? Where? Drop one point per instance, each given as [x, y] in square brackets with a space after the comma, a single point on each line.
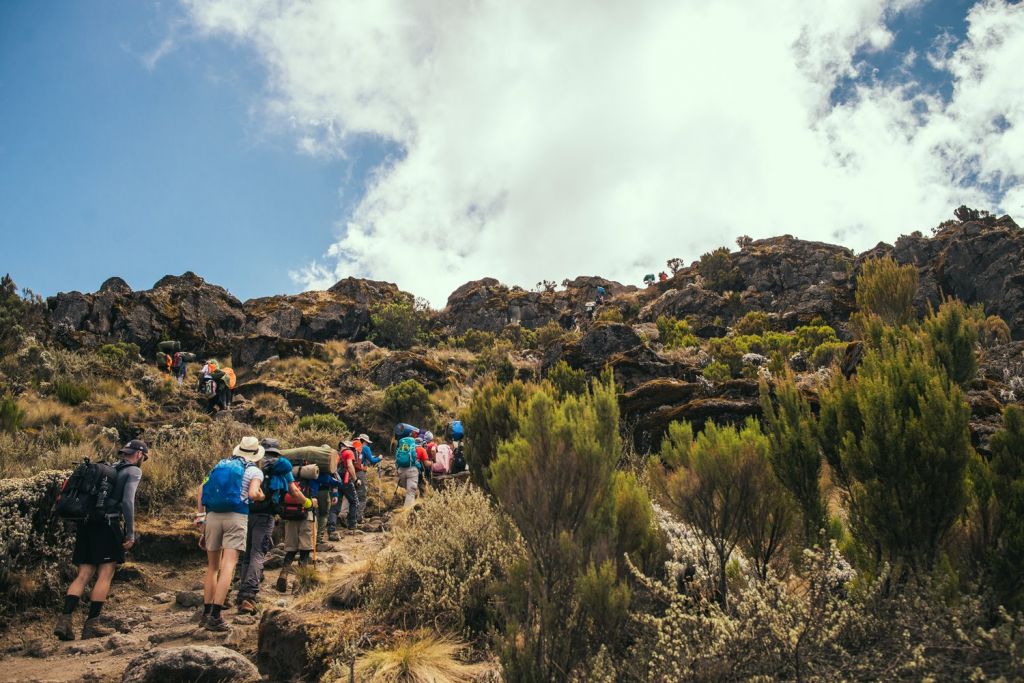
[231, 377]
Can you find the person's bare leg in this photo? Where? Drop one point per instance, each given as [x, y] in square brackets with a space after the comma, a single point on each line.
[102, 587]
[228, 560]
[85, 572]
[210, 580]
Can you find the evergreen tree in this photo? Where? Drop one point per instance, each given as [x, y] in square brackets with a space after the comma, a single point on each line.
[951, 334]
[898, 441]
[492, 417]
[1007, 467]
[795, 454]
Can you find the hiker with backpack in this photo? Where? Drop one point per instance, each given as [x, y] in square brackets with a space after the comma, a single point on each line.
[350, 482]
[298, 515]
[224, 381]
[327, 488]
[278, 481]
[366, 458]
[225, 496]
[101, 498]
[409, 457]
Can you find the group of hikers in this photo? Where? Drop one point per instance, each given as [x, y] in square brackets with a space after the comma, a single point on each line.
[238, 505]
[216, 383]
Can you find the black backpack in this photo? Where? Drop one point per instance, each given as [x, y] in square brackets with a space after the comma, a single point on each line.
[84, 494]
[272, 503]
[458, 461]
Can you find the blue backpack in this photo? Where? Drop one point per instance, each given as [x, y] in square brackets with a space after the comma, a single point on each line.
[276, 479]
[405, 456]
[457, 431]
[222, 491]
[403, 430]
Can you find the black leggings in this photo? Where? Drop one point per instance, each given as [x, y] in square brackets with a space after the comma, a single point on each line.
[289, 557]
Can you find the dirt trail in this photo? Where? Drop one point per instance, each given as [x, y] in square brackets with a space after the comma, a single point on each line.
[143, 608]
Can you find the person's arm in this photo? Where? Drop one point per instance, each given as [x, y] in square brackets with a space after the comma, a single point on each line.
[200, 517]
[350, 466]
[296, 492]
[369, 457]
[255, 490]
[131, 485]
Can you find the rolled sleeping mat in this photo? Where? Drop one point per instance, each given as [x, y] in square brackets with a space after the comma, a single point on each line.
[169, 346]
[308, 472]
[323, 456]
[188, 357]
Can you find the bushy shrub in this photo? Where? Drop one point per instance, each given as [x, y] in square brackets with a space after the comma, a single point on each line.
[494, 357]
[675, 334]
[396, 325]
[753, 322]
[951, 334]
[609, 315]
[492, 417]
[887, 290]
[474, 340]
[424, 657]
[70, 392]
[566, 380]
[1007, 469]
[824, 355]
[549, 334]
[19, 313]
[440, 574]
[323, 422]
[119, 353]
[34, 547]
[521, 337]
[718, 271]
[408, 401]
[717, 372]
[11, 414]
[897, 439]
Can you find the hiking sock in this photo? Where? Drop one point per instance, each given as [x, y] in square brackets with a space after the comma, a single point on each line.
[95, 607]
[289, 557]
[207, 608]
[215, 612]
[70, 603]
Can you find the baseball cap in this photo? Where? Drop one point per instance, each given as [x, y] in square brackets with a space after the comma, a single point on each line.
[134, 446]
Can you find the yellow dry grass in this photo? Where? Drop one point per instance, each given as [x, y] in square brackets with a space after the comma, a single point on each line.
[425, 658]
[40, 412]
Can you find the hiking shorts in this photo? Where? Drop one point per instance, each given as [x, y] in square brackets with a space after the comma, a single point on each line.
[226, 531]
[98, 542]
[298, 535]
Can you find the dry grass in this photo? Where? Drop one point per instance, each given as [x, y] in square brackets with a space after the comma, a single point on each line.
[340, 589]
[42, 412]
[307, 579]
[295, 369]
[425, 658]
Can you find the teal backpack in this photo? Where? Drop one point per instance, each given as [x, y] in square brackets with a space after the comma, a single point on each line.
[405, 456]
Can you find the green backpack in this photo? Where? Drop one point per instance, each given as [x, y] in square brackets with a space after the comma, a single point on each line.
[405, 456]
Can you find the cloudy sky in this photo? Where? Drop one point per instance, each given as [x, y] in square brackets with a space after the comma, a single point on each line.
[275, 146]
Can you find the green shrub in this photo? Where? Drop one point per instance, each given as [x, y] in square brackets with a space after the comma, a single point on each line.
[408, 401]
[549, 334]
[474, 340]
[506, 371]
[951, 334]
[19, 313]
[609, 315]
[717, 371]
[675, 334]
[887, 290]
[11, 414]
[753, 322]
[521, 337]
[828, 353]
[566, 380]
[441, 575]
[492, 417]
[118, 354]
[396, 325]
[718, 271]
[897, 439]
[1007, 467]
[70, 392]
[323, 422]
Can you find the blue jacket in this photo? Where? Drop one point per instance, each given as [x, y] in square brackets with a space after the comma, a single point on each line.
[368, 458]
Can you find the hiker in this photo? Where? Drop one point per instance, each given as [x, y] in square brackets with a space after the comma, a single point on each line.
[648, 279]
[349, 481]
[663, 276]
[362, 469]
[326, 490]
[224, 499]
[442, 459]
[101, 540]
[179, 365]
[277, 482]
[224, 381]
[601, 293]
[406, 459]
[298, 514]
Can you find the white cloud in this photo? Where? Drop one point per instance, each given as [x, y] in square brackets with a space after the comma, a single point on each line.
[550, 139]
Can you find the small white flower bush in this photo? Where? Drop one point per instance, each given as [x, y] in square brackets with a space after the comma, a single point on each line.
[35, 547]
[438, 569]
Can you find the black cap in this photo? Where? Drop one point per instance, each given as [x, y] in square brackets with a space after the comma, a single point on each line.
[134, 446]
[271, 446]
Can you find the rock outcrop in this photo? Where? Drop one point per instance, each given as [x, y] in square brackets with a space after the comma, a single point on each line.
[191, 664]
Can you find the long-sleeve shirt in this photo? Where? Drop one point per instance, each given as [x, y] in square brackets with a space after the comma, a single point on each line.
[368, 458]
[127, 483]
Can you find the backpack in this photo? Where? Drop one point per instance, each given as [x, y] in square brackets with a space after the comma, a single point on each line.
[84, 494]
[403, 430]
[442, 459]
[176, 360]
[230, 374]
[274, 485]
[223, 490]
[405, 456]
[291, 508]
[457, 431]
[458, 461]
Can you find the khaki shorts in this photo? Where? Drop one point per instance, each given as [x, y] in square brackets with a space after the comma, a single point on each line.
[226, 531]
[298, 535]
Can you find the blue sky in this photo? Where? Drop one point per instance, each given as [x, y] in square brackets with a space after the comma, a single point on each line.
[238, 138]
[110, 168]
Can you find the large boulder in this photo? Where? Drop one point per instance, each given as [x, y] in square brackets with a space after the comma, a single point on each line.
[252, 350]
[402, 365]
[282, 651]
[190, 664]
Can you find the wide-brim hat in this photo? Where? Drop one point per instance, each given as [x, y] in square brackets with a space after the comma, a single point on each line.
[364, 438]
[271, 446]
[249, 448]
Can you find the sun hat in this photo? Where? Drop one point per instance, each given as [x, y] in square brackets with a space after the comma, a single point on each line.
[249, 448]
[364, 438]
[271, 446]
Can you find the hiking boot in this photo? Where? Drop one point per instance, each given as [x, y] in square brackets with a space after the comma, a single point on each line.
[94, 629]
[333, 536]
[216, 624]
[247, 606]
[65, 629]
[202, 618]
[282, 584]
